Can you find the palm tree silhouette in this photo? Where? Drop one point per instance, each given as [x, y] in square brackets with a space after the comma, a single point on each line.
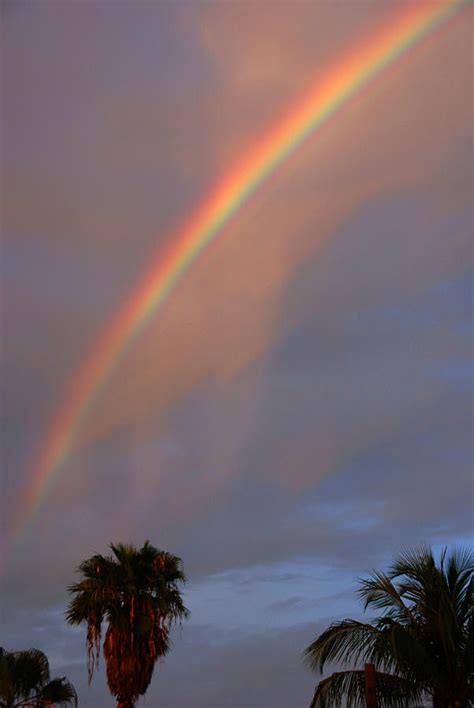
[422, 644]
[136, 593]
[25, 680]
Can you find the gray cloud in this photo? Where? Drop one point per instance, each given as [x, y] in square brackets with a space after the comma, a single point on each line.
[302, 407]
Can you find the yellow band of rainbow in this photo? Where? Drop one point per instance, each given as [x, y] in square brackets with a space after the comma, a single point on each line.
[348, 77]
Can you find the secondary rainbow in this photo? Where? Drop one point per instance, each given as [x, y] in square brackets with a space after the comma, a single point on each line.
[348, 77]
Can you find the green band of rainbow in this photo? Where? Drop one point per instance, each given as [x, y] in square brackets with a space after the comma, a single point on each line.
[348, 77]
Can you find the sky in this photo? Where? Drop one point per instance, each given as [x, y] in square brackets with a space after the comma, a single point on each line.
[300, 409]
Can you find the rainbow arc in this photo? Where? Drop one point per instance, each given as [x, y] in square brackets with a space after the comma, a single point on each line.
[349, 76]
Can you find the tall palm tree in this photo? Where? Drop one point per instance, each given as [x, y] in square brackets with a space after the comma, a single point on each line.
[422, 644]
[25, 681]
[136, 593]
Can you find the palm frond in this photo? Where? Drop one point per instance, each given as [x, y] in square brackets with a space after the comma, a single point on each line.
[413, 660]
[59, 692]
[349, 686]
[349, 641]
[460, 580]
[25, 680]
[135, 592]
[425, 630]
[26, 670]
[380, 593]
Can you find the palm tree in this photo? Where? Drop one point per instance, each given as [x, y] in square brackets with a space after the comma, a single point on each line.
[422, 644]
[135, 592]
[25, 681]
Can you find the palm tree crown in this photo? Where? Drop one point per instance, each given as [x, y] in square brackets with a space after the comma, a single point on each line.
[25, 680]
[136, 593]
[422, 644]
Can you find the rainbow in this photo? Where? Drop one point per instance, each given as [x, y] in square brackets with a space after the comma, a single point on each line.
[348, 77]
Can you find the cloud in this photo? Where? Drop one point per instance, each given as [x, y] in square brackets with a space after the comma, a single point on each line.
[300, 408]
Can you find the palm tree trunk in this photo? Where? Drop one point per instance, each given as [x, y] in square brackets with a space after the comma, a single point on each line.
[125, 704]
[370, 686]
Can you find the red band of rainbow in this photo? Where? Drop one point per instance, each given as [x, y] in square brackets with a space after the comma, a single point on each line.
[348, 77]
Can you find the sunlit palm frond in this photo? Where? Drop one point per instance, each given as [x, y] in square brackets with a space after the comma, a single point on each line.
[135, 592]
